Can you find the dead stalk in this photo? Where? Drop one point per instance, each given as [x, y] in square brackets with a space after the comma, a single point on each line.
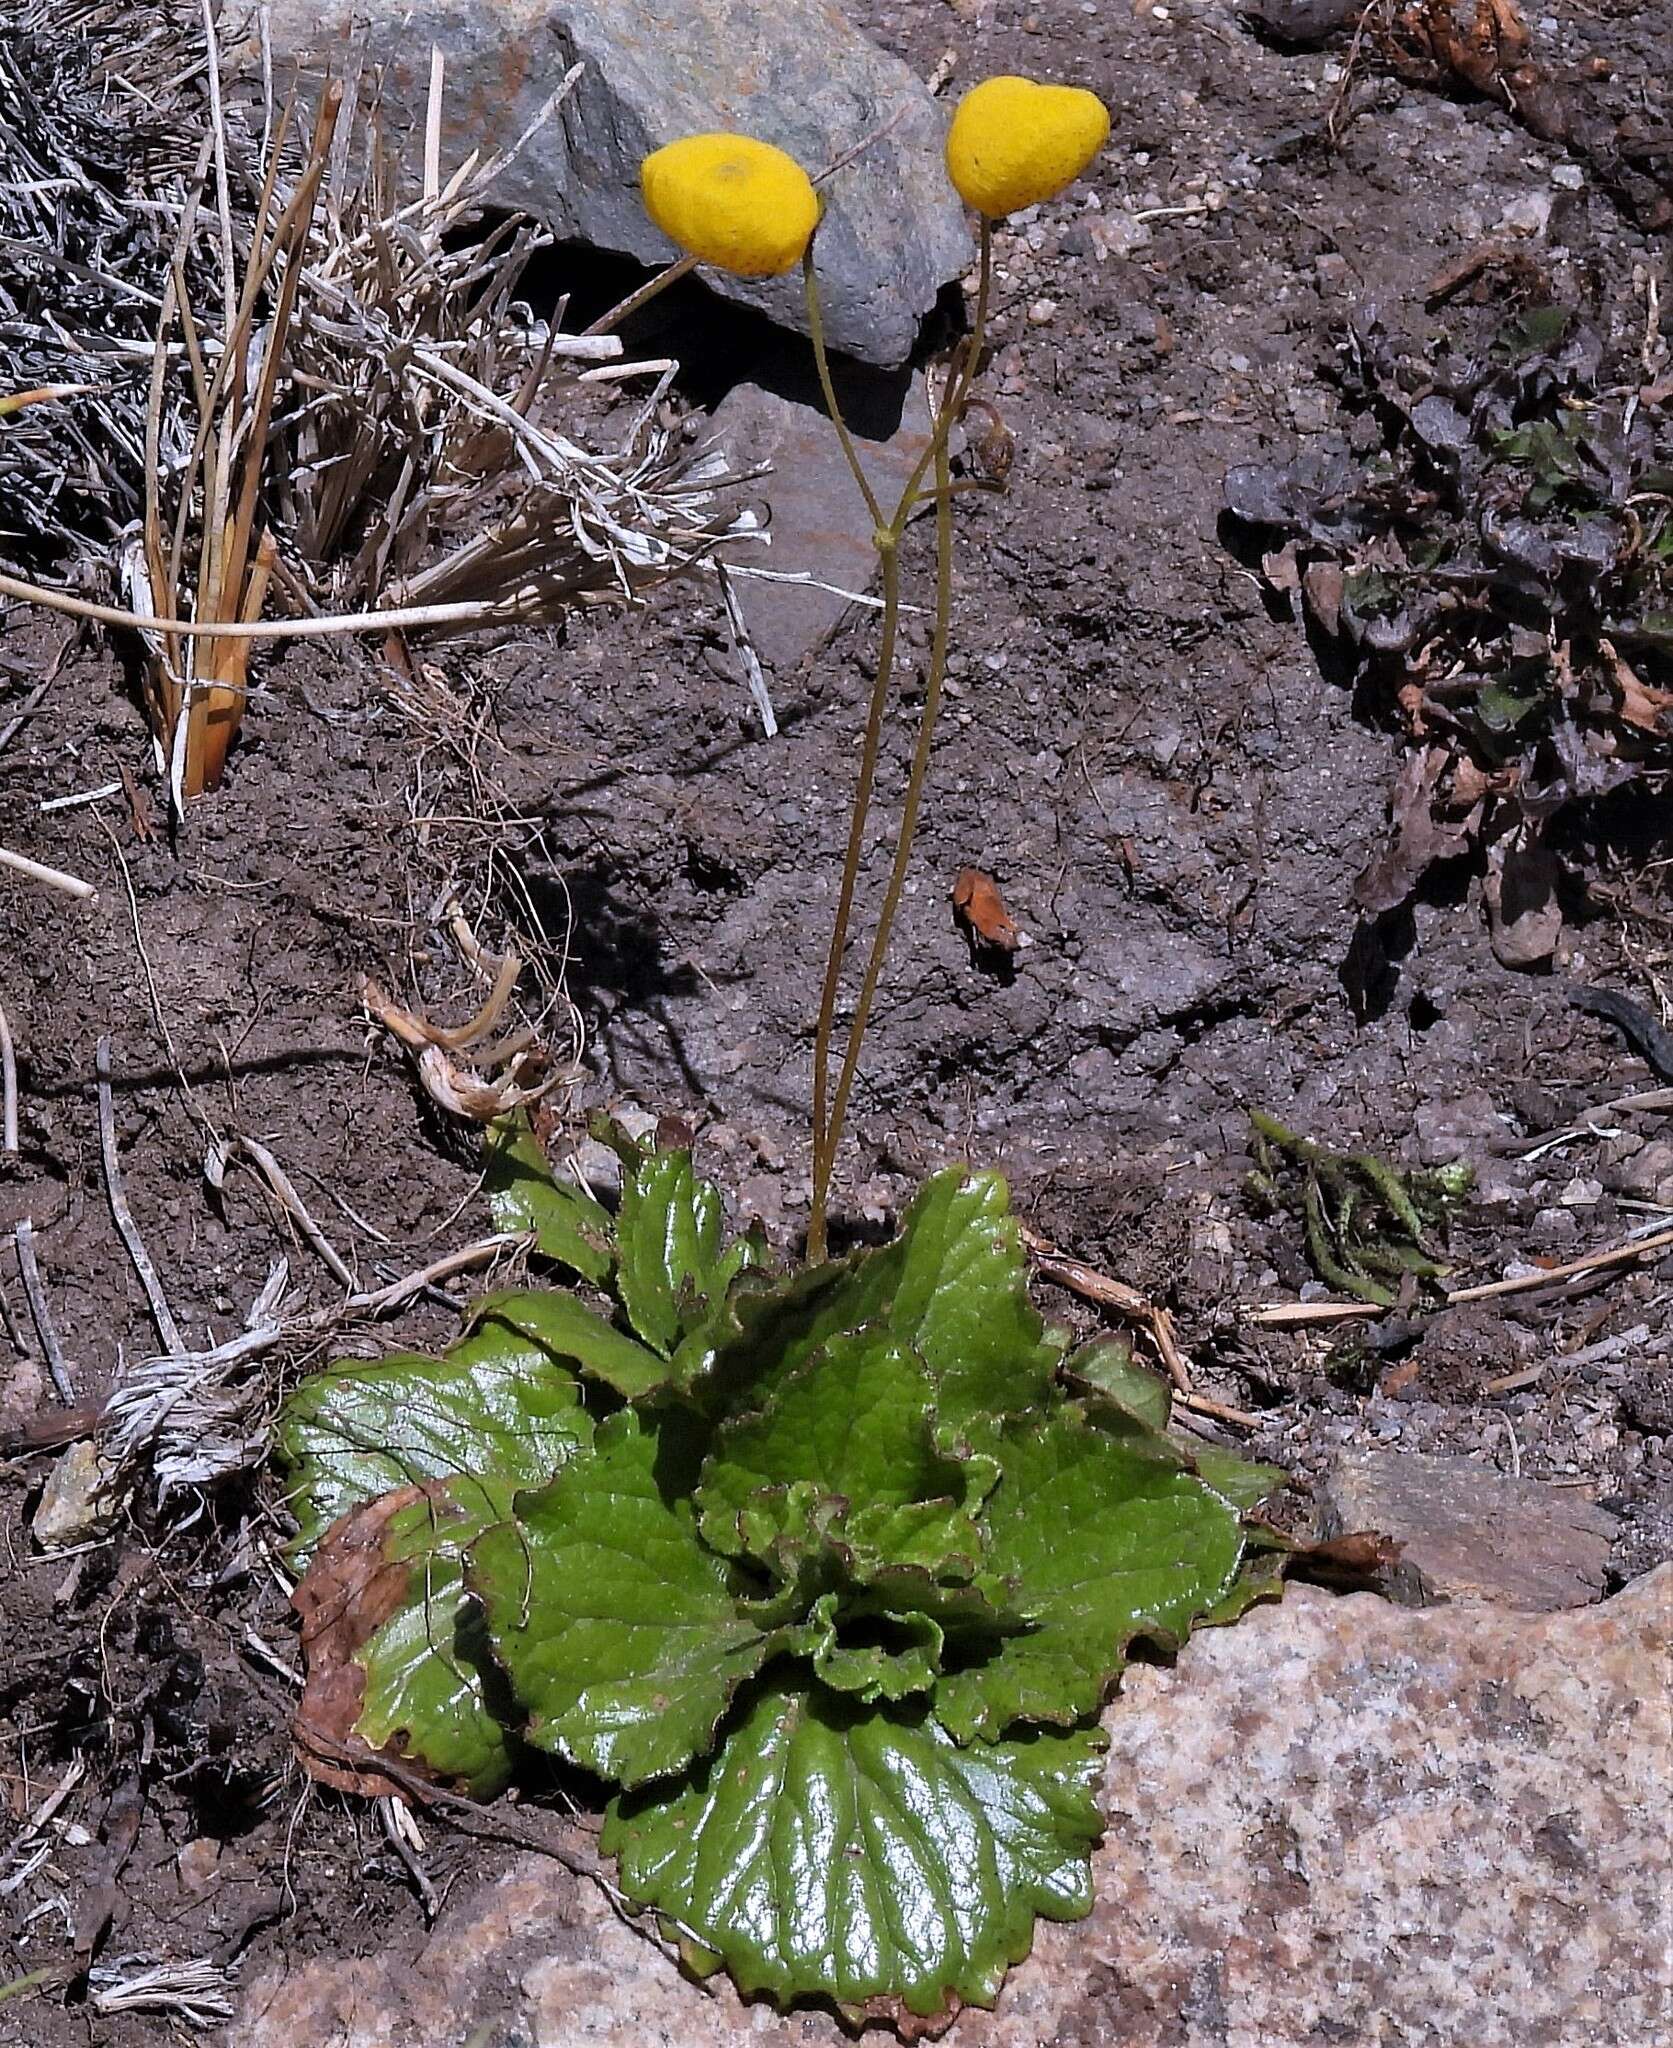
[49, 878]
[8, 1087]
[161, 1314]
[45, 1328]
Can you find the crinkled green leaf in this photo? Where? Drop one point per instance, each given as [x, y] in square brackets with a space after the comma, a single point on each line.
[523, 1194]
[672, 1263]
[952, 1286]
[876, 1657]
[1107, 1535]
[431, 1688]
[495, 1403]
[619, 1630]
[579, 1335]
[852, 1423]
[860, 1855]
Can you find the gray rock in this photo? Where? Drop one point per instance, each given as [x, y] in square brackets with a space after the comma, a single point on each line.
[74, 1504]
[1469, 1533]
[1338, 1821]
[797, 73]
[820, 526]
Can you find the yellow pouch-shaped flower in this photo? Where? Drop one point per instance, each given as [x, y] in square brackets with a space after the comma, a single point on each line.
[1014, 142]
[732, 201]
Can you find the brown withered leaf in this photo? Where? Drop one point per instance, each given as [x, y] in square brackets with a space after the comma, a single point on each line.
[1321, 585]
[1524, 918]
[1642, 705]
[981, 912]
[1350, 1563]
[1417, 838]
[344, 1597]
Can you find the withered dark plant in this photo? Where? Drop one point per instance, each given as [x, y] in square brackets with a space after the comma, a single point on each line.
[1492, 558]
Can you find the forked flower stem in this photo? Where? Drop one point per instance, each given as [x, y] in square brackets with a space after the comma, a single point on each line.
[822, 358]
[828, 1118]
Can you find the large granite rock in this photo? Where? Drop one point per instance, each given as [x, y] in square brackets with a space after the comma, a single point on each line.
[1340, 1821]
[795, 72]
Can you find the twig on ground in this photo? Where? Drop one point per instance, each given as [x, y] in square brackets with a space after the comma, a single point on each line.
[8, 1086]
[45, 1328]
[161, 1314]
[1216, 1411]
[1282, 1315]
[523, 605]
[1618, 1105]
[15, 724]
[1293, 1313]
[1592, 1262]
[399, 1831]
[50, 878]
[285, 1193]
[1088, 1282]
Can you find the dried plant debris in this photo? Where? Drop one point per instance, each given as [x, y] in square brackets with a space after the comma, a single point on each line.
[426, 460]
[89, 120]
[1494, 557]
[1486, 47]
[285, 361]
[1371, 1230]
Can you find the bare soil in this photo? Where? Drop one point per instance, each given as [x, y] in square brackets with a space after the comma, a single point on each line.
[1144, 752]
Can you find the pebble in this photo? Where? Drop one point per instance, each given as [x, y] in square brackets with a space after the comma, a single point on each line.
[1042, 312]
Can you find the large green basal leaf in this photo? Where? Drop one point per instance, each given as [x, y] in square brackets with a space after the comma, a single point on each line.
[566, 1327]
[619, 1630]
[568, 1225]
[952, 1286]
[431, 1688]
[962, 1300]
[852, 1425]
[672, 1263]
[496, 1402]
[1108, 1536]
[858, 1855]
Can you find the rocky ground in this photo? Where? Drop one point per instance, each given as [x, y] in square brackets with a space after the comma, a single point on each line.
[1143, 748]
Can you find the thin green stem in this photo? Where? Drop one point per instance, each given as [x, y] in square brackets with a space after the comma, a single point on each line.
[845, 897]
[962, 378]
[828, 1116]
[821, 357]
[908, 816]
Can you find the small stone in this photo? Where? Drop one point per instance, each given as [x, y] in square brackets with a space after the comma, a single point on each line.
[1463, 1128]
[819, 524]
[74, 1504]
[1468, 1533]
[1042, 312]
[1581, 1192]
[1570, 176]
[1528, 215]
[197, 1862]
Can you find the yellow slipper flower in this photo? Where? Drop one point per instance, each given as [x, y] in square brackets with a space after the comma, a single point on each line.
[1014, 142]
[732, 201]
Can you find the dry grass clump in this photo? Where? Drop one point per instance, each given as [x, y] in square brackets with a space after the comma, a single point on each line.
[343, 403]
